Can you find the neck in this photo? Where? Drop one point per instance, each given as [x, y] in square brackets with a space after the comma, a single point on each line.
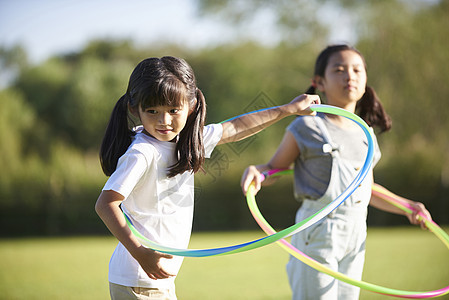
[342, 121]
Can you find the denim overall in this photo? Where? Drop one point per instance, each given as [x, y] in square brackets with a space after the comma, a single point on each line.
[338, 240]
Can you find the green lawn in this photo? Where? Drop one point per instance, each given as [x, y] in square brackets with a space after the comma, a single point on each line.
[76, 268]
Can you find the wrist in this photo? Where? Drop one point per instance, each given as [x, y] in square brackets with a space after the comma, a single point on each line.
[140, 253]
[285, 110]
[265, 172]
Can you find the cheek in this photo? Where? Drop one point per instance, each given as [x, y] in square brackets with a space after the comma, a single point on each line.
[181, 121]
[363, 82]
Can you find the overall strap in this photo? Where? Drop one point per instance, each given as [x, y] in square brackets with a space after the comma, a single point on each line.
[329, 146]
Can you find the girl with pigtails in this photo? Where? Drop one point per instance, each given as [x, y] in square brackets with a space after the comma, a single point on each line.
[151, 169]
[326, 152]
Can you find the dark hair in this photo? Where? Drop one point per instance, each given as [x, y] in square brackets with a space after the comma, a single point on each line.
[166, 81]
[369, 107]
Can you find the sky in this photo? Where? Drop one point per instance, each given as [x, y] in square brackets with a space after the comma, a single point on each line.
[48, 27]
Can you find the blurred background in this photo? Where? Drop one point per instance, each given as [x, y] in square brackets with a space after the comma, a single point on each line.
[64, 64]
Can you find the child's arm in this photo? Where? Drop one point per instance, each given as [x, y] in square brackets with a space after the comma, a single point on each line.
[244, 126]
[107, 207]
[285, 155]
[414, 218]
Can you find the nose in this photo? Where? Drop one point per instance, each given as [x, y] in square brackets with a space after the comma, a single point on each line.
[351, 75]
[165, 118]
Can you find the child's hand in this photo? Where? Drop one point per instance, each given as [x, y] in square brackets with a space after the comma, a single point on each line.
[149, 260]
[419, 208]
[301, 105]
[250, 175]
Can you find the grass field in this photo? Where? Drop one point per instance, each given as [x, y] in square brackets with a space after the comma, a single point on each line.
[76, 268]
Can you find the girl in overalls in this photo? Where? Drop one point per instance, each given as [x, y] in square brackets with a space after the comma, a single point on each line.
[327, 152]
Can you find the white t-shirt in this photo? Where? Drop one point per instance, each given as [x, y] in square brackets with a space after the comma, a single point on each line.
[161, 208]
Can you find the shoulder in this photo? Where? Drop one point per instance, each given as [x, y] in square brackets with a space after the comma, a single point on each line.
[142, 148]
[305, 127]
[308, 122]
[307, 134]
[212, 131]
[212, 135]
[377, 151]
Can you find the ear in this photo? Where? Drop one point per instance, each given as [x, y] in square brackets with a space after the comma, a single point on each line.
[192, 108]
[134, 111]
[319, 83]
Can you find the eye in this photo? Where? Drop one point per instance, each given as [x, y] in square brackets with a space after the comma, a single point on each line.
[339, 70]
[174, 110]
[151, 111]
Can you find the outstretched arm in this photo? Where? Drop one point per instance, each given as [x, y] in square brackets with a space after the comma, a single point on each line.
[246, 125]
[417, 207]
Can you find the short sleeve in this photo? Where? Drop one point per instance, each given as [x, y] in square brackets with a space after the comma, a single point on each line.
[130, 169]
[307, 134]
[212, 134]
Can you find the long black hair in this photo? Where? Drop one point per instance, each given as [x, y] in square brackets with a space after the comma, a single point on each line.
[166, 81]
[369, 107]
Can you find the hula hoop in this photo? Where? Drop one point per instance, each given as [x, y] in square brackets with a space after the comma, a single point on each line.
[276, 236]
[385, 195]
[377, 191]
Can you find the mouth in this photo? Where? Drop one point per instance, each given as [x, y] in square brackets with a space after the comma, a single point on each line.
[164, 131]
[351, 87]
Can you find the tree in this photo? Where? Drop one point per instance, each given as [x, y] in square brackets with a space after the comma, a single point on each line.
[295, 22]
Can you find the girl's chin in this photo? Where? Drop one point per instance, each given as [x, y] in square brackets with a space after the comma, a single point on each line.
[166, 137]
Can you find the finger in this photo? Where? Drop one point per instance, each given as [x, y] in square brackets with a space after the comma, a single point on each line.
[166, 274]
[257, 183]
[423, 211]
[412, 217]
[165, 255]
[246, 185]
[301, 97]
[315, 100]
[309, 111]
[159, 275]
[423, 225]
[246, 181]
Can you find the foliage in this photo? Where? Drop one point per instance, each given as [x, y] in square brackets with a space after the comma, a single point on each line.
[53, 117]
[409, 60]
[297, 22]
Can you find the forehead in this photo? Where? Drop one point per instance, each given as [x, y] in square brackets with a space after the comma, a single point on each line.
[346, 58]
[181, 105]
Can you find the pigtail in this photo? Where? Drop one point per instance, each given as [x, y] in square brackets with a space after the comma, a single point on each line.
[370, 109]
[117, 137]
[190, 146]
[311, 90]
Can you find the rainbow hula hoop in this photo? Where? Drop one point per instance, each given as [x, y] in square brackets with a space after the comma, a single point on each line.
[377, 191]
[276, 236]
